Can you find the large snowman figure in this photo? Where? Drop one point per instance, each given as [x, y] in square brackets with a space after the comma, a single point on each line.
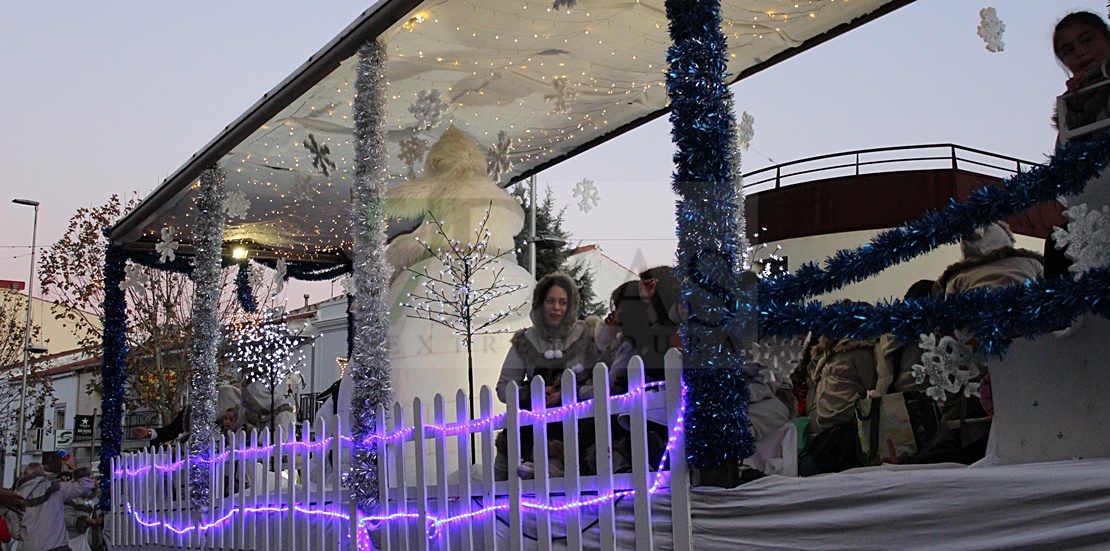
[429, 358]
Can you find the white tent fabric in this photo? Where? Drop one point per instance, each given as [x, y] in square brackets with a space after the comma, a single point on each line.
[1059, 505]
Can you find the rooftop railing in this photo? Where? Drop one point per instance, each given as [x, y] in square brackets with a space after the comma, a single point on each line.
[898, 158]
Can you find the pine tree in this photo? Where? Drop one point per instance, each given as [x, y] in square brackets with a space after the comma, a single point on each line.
[549, 222]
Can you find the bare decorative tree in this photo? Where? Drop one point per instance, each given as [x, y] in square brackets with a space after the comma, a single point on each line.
[461, 294]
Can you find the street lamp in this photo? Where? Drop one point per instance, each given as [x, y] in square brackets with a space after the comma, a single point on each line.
[26, 339]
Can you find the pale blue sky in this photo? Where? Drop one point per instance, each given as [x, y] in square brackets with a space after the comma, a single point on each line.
[112, 96]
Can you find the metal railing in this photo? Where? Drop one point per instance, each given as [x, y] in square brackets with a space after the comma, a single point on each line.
[910, 157]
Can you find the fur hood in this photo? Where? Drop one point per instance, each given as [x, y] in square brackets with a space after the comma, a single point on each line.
[973, 262]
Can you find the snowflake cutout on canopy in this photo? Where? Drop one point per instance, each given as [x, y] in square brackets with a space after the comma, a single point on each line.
[134, 278]
[746, 131]
[237, 204]
[991, 29]
[561, 4]
[781, 354]
[256, 276]
[948, 365]
[321, 155]
[279, 275]
[497, 157]
[167, 246]
[561, 96]
[1087, 237]
[588, 192]
[304, 189]
[412, 151]
[428, 108]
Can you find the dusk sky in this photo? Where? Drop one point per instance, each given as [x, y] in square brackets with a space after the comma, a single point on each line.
[111, 97]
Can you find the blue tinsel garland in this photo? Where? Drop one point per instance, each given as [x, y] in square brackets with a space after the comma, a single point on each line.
[243, 288]
[709, 250]
[113, 377]
[308, 271]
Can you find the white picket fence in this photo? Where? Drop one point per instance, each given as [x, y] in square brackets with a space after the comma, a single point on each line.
[266, 493]
[284, 494]
[571, 512]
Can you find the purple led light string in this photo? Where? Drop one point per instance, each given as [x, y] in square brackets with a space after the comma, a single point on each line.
[249, 452]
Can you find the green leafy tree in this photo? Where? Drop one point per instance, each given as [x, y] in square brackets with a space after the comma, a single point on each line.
[550, 222]
[40, 390]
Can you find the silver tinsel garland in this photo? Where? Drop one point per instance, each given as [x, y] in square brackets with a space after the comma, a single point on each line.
[208, 237]
[370, 369]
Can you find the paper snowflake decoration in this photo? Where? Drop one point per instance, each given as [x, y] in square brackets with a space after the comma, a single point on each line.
[321, 155]
[428, 108]
[947, 364]
[746, 132]
[588, 192]
[780, 354]
[497, 157]
[256, 276]
[279, 275]
[561, 96]
[991, 29]
[348, 284]
[134, 278]
[563, 4]
[304, 189]
[1087, 237]
[237, 204]
[412, 151]
[167, 247]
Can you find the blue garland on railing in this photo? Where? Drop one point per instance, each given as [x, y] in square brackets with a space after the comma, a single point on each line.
[243, 288]
[112, 374]
[997, 316]
[709, 250]
[1066, 173]
[308, 271]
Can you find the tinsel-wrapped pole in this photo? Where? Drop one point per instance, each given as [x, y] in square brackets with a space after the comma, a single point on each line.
[112, 376]
[369, 364]
[243, 288]
[208, 237]
[709, 240]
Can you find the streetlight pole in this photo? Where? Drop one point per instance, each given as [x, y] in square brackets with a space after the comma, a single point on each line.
[26, 339]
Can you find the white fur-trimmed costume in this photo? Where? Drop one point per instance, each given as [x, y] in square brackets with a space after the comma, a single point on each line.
[457, 191]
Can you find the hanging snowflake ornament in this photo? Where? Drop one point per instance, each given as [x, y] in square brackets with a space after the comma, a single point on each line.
[1087, 237]
[304, 189]
[746, 132]
[348, 284]
[991, 29]
[167, 247]
[321, 155]
[561, 96]
[237, 204]
[780, 354]
[279, 275]
[588, 192]
[256, 276]
[947, 364]
[134, 278]
[428, 108]
[497, 157]
[412, 151]
[563, 4]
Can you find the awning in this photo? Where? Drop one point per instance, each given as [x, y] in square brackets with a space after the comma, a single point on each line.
[532, 84]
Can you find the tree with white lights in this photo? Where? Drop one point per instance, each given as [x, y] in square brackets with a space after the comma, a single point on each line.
[461, 294]
[264, 351]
